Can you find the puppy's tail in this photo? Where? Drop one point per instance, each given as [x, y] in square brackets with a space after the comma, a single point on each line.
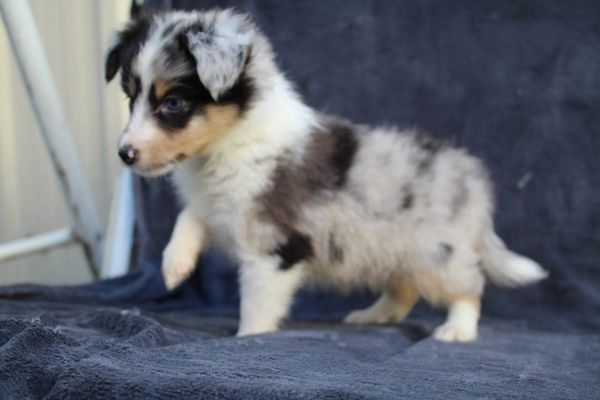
[506, 268]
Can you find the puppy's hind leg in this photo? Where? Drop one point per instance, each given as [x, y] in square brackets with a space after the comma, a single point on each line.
[266, 294]
[393, 305]
[461, 324]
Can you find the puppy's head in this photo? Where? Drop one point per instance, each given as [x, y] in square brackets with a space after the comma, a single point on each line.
[185, 75]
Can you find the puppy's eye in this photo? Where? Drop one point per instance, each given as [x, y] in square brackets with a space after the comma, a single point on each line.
[172, 105]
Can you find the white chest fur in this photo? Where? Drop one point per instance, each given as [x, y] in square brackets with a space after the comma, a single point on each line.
[220, 194]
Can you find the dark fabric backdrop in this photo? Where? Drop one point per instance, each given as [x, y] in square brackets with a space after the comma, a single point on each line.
[515, 82]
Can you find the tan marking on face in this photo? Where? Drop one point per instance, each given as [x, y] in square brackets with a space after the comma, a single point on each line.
[160, 88]
[162, 148]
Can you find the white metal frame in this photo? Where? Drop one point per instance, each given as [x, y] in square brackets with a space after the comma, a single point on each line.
[85, 227]
[119, 237]
[36, 244]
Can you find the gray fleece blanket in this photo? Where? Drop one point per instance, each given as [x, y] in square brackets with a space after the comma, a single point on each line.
[516, 82]
[66, 351]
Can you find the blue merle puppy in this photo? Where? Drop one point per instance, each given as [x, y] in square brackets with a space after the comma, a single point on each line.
[296, 197]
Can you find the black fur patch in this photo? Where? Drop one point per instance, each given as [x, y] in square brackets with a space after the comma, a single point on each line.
[136, 9]
[131, 86]
[346, 145]
[445, 252]
[429, 149]
[298, 247]
[240, 94]
[129, 43]
[168, 30]
[325, 165]
[408, 198]
[112, 63]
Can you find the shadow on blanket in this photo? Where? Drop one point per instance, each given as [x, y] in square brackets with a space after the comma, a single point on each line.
[515, 82]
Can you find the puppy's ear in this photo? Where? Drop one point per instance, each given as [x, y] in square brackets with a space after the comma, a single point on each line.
[220, 57]
[125, 45]
[113, 57]
[136, 9]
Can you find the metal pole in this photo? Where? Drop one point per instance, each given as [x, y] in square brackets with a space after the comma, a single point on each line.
[32, 62]
[36, 244]
[119, 236]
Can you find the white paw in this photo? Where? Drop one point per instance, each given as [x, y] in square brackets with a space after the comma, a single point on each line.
[177, 266]
[367, 316]
[454, 332]
[245, 331]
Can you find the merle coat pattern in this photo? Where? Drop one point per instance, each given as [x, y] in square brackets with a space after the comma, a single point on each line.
[297, 197]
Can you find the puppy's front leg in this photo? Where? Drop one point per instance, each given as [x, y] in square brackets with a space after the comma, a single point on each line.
[266, 294]
[180, 255]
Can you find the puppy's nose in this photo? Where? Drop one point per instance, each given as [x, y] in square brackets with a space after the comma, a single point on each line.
[128, 154]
